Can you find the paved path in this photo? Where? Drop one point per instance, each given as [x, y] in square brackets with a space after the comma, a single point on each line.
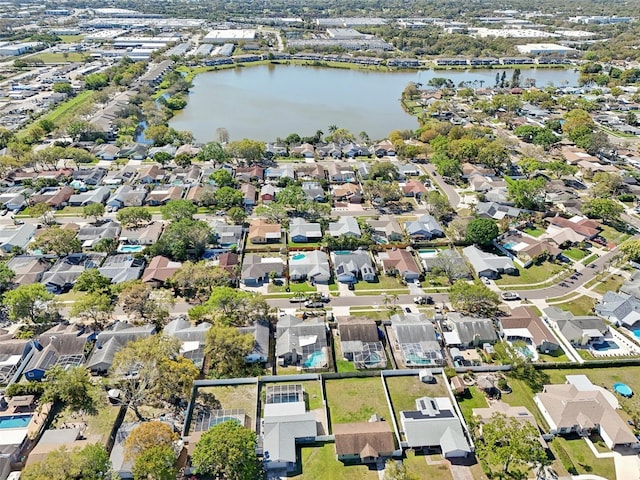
[449, 190]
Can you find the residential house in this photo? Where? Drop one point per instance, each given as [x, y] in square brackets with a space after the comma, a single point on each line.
[159, 270]
[268, 193]
[620, 309]
[580, 331]
[497, 211]
[301, 231]
[580, 407]
[256, 269]
[55, 197]
[106, 151]
[111, 341]
[56, 439]
[345, 226]
[247, 174]
[144, 235]
[414, 188]
[399, 261]
[416, 340]
[302, 343]
[310, 171]
[162, 194]
[347, 192]
[313, 191]
[89, 235]
[424, 228]
[14, 199]
[383, 148]
[350, 266]
[170, 149]
[192, 338]
[62, 345]
[137, 151]
[632, 286]
[524, 325]
[89, 176]
[583, 226]
[260, 231]
[249, 195]
[561, 236]
[352, 150]
[306, 150]
[274, 174]
[360, 342]
[450, 258]
[468, 332]
[497, 407]
[341, 172]
[28, 269]
[152, 174]
[13, 352]
[528, 248]
[121, 268]
[487, 264]
[99, 195]
[16, 236]
[286, 424]
[312, 266]
[364, 170]
[364, 442]
[186, 177]
[434, 423]
[386, 229]
[331, 149]
[124, 175]
[126, 196]
[407, 170]
[188, 149]
[261, 332]
[227, 235]
[64, 273]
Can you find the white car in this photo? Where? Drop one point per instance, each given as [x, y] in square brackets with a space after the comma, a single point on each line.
[510, 296]
[486, 281]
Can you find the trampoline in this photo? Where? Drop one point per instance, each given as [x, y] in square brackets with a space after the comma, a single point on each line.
[623, 389]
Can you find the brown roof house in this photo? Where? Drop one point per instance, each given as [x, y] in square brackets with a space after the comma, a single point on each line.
[55, 197]
[398, 261]
[414, 188]
[524, 325]
[363, 442]
[528, 248]
[159, 270]
[28, 269]
[581, 407]
[161, 195]
[151, 174]
[583, 226]
[262, 232]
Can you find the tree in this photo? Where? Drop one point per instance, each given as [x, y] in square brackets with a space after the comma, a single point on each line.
[212, 152]
[227, 348]
[481, 231]
[227, 197]
[197, 280]
[273, 212]
[148, 435]
[222, 178]
[250, 150]
[133, 216]
[63, 87]
[138, 300]
[605, 208]
[183, 239]
[396, 470]
[42, 210]
[156, 463]
[31, 303]
[90, 463]
[6, 277]
[150, 371]
[94, 210]
[162, 157]
[106, 245]
[92, 281]
[526, 193]
[176, 210]
[227, 450]
[504, 443]
[384, 171]
[631, 249]
[95, 307]
[559, 168]
[237, 215]
[96, 81]
[72, 387]
[438, 205]
[229, 306]
[449, 265]
[607, 185]
[475, 298]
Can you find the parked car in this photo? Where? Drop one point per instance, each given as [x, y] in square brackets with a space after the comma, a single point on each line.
[486, 281]
[298, 299]
[314, 305]
[352, 286]
[510, 296]
[417, 283]
[424, 300]
[407, 309]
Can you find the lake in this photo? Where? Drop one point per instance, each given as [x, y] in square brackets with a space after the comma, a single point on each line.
[268, 101]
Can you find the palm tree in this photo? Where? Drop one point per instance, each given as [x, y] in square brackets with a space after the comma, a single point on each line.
[332, 128]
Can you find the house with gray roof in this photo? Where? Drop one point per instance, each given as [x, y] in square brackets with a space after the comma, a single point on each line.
[122, 267]
[111, 340]
[497, 211]
[312, 266]
[416, 339]
[354, 265]
[632, 286]
[487, 264]
[98, 195]
[302, 342]
[580, 331]
[193, 338]
[425, 227]
[387, 228]
[89, 176]
[619, 308]
[15, 198]
[434, 423]
[143, 235]
[127, 196]
[256, 269]
[16, 236]
[261, 332]
[313, 191]
[449, 259]
[468, 332]
[360, 342]
[345, 226]
[89, 235]
[64, 273]
[226, 235]
[28, 268]
[13, 352]
[301, 231]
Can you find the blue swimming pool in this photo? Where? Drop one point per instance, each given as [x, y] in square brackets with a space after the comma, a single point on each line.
[604, 346]
[526, 352]
[623, 389]
[299, 256]
[315, 360]
[217, 420]
[130, 248]
[509, 245]
[15, 421]
[637, 333]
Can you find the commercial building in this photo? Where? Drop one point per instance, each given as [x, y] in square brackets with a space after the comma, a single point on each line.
[229, 36]
[544, 49]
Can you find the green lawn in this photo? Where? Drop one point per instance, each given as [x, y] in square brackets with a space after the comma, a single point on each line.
[295, 287]
[320, 463]
[333, 286]
[99, 424]
[230, 397]
[575, 253]
[67, 110]
[534, 232]
[582, 457]
[381, 292]
[373, 314]
[418, 465]
[557, 357]
[582, 305]
[612, 235]
[404, 391]
[342, 365]
[591, 258]
[611, 283]
[355, 399]
[312, 392]
[71, 38]
[382, 282]
[50, 57]
[521, 395]
[70, 211]
[472, 398]
[533, 274]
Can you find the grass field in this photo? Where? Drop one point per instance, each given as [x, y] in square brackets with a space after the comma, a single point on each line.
[342, 365]
[50, 57]
[612, 235]
[312, 392]
[521, 395]
[405, 390]
[590, 259]
[373, 314]
[67, 110]
[383, 282]
[582, 305]
[320, 463]
[238, 396]
[71, 38]
[417, 464]
[472, 398]
[575, 253]
[355, 399]
[99, 425]
[611, 283]
[583, 459]
[294, 287]
[534, 232]
[533, 274]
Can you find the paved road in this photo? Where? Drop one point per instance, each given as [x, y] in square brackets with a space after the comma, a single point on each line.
[450, 192]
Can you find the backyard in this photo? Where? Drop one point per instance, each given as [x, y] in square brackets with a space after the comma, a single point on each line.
[404, 390]
[534, 231]
[472, 398]
[582, 457]
[417, 464]
[320, 463]
[232, 397]
[99, 426]
[611, 235]
[342, 365]
[355, 399]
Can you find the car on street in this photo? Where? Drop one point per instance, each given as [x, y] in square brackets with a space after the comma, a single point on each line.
[510, 296]
[314, 305]
[298, 299]
[486, 281]
[407, 309]
[423, 300]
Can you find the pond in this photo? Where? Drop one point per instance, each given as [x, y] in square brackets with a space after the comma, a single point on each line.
[268, 101]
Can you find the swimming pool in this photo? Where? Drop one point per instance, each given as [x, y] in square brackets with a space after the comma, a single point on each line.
[217, 420]
[299, 256]
[636, 333]
[315, 360]
[380, 240]
[509, 245]
[526, 352]
[130, 248]
[604, 346]
[15, 421]
[413, 359]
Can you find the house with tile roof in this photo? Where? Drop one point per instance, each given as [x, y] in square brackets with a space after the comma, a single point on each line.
[364, 442]
[487, 264]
